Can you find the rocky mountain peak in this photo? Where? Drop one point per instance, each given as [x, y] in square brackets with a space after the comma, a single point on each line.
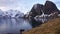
[50, 7]
[36, 9]
[42, 13]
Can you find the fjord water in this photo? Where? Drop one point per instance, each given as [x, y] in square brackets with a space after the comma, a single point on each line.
[12, 25]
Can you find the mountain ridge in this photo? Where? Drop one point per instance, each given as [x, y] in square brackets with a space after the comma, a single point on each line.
[11, 13]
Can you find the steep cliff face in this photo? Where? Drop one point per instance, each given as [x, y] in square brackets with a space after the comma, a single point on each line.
[50, 7]
[51, 27]
[36, 10]
[39, 9]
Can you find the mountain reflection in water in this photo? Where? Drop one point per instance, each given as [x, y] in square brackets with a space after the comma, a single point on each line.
[13, 25]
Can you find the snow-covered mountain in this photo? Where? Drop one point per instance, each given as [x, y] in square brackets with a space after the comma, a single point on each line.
[11, 13]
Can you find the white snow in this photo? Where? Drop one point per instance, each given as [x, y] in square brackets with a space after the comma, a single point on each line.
[11, 13]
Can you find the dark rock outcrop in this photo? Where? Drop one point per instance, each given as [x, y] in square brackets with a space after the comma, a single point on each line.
[21, 31]
[36, 10]
[50, 7]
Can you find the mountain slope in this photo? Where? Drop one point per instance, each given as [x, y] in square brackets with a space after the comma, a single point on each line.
[51, 27]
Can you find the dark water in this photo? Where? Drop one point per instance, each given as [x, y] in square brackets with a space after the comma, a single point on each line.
[13, 25]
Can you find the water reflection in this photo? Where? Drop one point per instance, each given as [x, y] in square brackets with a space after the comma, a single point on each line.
[13, 25]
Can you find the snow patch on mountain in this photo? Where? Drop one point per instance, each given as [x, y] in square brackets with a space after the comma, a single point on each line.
[11, 13]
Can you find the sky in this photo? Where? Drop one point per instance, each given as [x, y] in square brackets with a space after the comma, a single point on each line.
[23, 5]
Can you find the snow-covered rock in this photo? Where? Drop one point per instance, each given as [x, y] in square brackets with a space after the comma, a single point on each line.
[11, 13]
[45, 17]
[41, 18]
[1, 13]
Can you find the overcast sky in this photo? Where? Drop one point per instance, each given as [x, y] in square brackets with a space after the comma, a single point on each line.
[23, 5]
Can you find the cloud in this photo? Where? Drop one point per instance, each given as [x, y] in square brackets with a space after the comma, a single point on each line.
[22, 5]
[7, 4]
[57, 4]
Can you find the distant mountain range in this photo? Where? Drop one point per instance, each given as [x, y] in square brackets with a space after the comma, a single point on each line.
[11, 13]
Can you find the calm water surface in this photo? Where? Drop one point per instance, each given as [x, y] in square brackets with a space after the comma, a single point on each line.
[13, 25]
